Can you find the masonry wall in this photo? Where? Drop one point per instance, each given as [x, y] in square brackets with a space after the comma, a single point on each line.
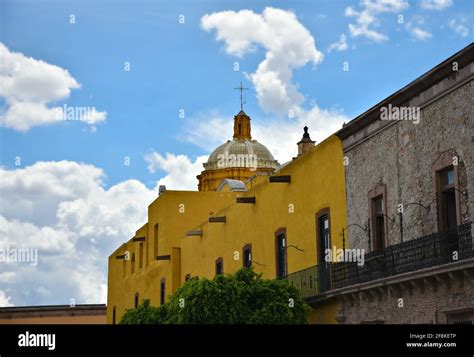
[422, 305]
[400, 155]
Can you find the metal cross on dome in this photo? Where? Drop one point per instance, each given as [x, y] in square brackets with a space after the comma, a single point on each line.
[241, 88]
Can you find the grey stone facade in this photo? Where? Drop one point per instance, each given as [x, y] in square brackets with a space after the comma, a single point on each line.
[400, 155]
[431, 296]
[399, 158]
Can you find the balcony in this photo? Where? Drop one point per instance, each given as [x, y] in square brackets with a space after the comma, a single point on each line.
[420, 253]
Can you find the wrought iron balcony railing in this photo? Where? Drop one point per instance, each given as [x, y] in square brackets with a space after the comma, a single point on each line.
[424, 252]
[311, 281]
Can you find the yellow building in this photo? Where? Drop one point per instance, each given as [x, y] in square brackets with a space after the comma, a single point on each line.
[239, 158]
[280, 220]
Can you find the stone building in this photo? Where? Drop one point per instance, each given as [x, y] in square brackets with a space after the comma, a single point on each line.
[409, 187]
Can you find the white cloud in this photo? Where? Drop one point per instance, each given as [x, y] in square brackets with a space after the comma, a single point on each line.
[25, 235]
[288, 45]
[436, 4]
[63, 210]
[7, 277]
[366, 17]
[419, 33]
[415, 29]
[459, 28]
[5, 300]
[207, 130]
[37, 190]
[28, 86]
[341, 45]
[180, 171]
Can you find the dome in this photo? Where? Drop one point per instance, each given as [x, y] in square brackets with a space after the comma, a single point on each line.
[241, 153]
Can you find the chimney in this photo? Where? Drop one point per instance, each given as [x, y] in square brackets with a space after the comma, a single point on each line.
[161, 189]
[306, 143]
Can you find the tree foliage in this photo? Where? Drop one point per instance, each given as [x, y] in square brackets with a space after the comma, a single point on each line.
[241, 298]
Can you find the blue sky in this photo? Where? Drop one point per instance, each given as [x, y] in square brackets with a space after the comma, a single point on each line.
[179, 66]
[71, 192]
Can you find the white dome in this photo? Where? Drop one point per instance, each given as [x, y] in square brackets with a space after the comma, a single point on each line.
[241, 151]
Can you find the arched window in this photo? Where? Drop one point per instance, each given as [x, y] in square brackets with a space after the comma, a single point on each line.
[162, 291]
[136, 300]
[140, 257]
[133, 263]
[247, 256]
[281, 261]
[155, 242]
[219, 266]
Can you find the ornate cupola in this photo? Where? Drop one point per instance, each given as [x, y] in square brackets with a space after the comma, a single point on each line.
[239, 158]
[305, 144]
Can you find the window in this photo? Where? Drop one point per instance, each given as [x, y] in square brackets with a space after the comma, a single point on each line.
[378, 219]
[136, 300]
[247, 256]
[280, 237]
[219, 266]
[378, 215]
[323, 234]
[140, 257]
[323, 239]
[187, 277]
[162, 291]
[446, 199]
[133, 263]
[113, 316]
[155, 241]
[447, 190]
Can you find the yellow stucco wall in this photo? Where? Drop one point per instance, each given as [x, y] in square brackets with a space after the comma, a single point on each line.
[317, 182]
[175, 212]
[210, 180]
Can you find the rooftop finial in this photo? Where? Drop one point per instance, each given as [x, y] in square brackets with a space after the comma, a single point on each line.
[306, 134]
[241, 88]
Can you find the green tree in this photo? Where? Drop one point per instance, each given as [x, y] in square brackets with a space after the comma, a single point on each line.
[241, 298]
[145, 314]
